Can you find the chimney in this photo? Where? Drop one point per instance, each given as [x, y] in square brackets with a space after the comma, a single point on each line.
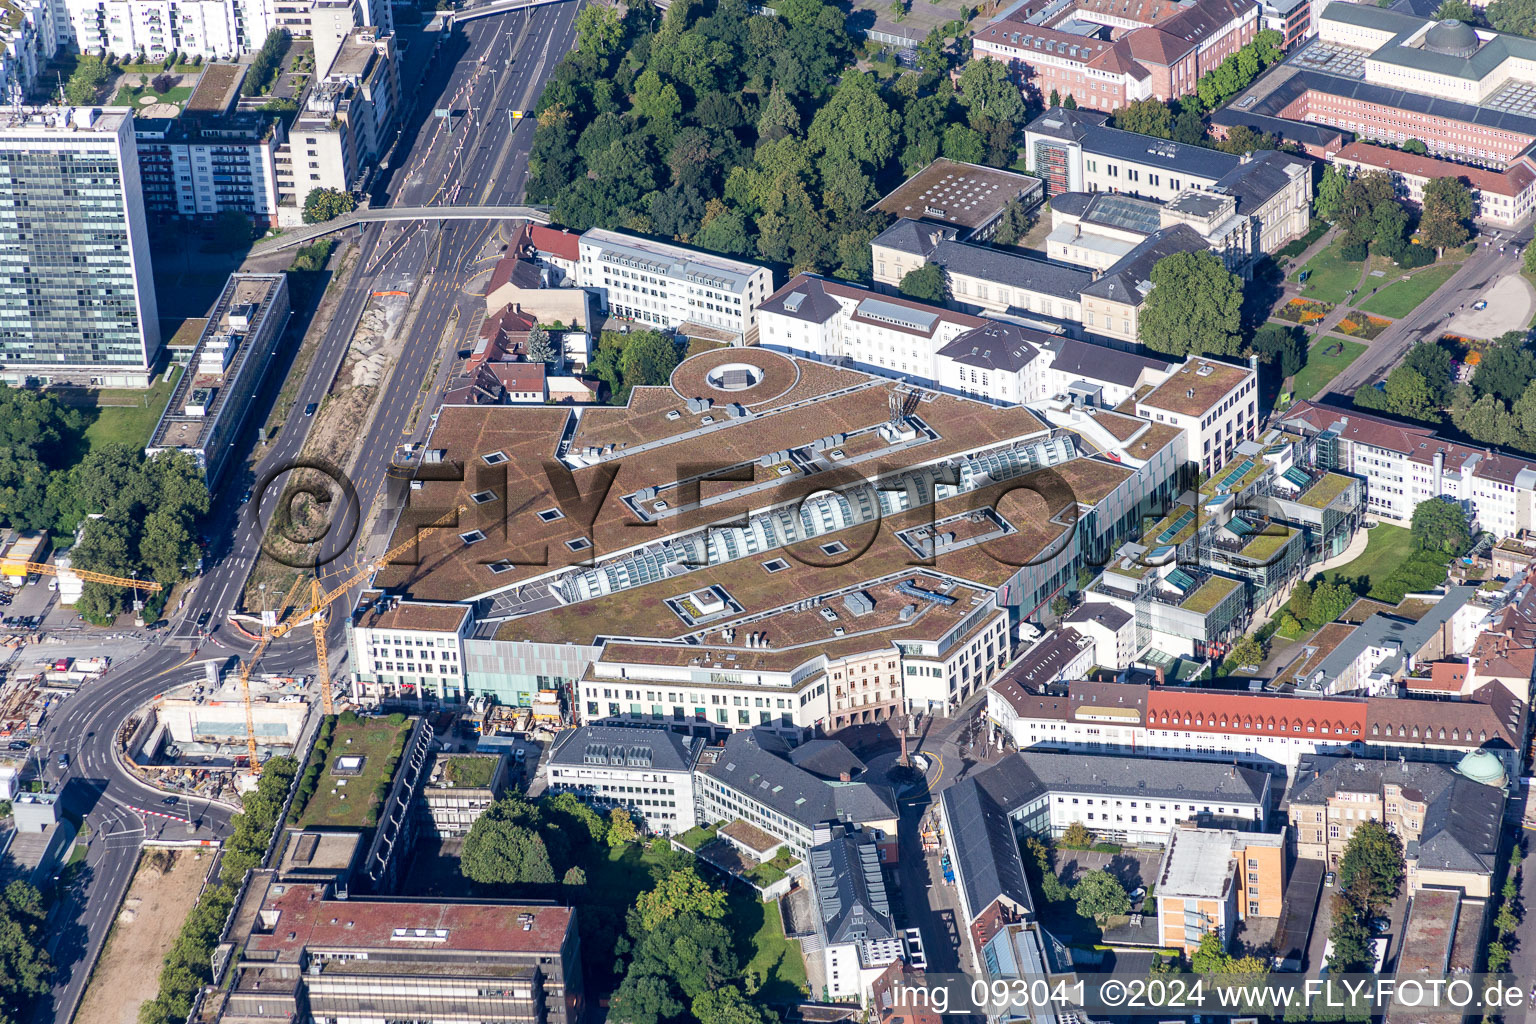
[1158, 672]
[845, 776]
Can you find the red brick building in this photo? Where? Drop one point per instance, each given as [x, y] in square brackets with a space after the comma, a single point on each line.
[1106, 53]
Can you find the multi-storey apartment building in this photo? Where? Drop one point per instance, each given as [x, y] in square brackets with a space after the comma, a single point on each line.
[77, 298]
[648, 771]
[211, 29]
[344, 122]
[29, 39]
[1210, 880]
[665, 285]
[859, 939]
[1448, 818]
[754, 778]
[1216, 405]
[229, 363]
[1403, 464]
[404, 647]
[200, 167]
[307, 957]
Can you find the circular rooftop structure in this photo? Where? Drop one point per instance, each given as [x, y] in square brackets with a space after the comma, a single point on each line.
[1452, 38]
[1484, 767]
[748, 375]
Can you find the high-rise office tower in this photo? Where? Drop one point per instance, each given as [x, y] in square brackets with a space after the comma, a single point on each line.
[77, 299]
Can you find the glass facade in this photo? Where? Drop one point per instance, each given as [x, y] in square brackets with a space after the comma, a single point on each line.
[71, 232]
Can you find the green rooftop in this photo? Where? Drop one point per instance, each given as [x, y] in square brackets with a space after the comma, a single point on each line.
[348, 794]
[1320, 494]
[1265, 544]
[1234, 476]
[1173, 529]
[1210, 594]
[471, 772]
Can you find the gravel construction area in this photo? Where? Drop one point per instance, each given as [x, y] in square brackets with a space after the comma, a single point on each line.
[1511, 304]
[163, 890]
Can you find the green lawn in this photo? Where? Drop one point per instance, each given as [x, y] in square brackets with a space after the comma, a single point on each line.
[1399, 299]
[343, 801]
[1330, 278]
[1387, 548]
[129, 96]
[473, 772]
[772, 958]
[130, 424]
[1321, 369]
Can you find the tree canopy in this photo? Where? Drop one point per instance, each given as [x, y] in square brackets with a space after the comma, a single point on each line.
[926, 283]
[637, 359]
[1373, 858]
[323, 204]
[1194, 308]
[681, 892]
[25, 969]
[1447, 211]
[505, 847]
[1099, 895]
[1440, 524]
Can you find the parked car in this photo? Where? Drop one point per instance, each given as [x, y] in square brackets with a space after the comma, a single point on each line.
[1480, 304]
[19, 744]
[1328, 879]
[1380, 926]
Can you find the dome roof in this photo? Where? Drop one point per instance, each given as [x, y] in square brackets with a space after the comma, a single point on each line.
[1484, 767]
[1452, 38]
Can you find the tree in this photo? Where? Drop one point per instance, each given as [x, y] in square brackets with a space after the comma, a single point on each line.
[1373, 862]
[576, 818]
[1242, 139]
[1330, 193]
[25, 968]
[1433, 362]
[1330, 601]
[994, 106]
[1528, 258]
[1194, 308]
[1060, 605]
[323, 204]
[1408, 394]
[1100, 895]
[1447, 210]
[1455, 10]
[1281, 347]
[728, 1006]
[1350, 935]
[540, 350]
[1514, 16]
[1070, 103]
[1014, 224]
[503, 848]
[1145, 117]
[1440, 524]
[264, 66]
[1507, 366]
[86, 81]
[621, 828]
[926, 284]
[963, 144]
[1247, 651]
[681, 892]
[648, 359]
[1301, 600]
[1077, 836]
[599, 31]
[1054, 100]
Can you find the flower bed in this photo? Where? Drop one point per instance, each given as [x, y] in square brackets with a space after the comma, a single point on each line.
[1303, 311]
[1362, 325]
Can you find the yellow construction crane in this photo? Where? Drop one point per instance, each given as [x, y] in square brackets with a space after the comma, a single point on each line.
[85, 574]
[317, 613]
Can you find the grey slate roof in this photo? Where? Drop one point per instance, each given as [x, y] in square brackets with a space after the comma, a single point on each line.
[1100, 362]
[1110, 616]
[755, 762]
[1028, 774]
[1320, 135]
[826, 758]
[1254, 183]
[1390, 631]
[622, 745]
[1098, 139]
[1071, 204]
[1461, 820]
[977, 808]
[1129, 280]
[1047, 661]
[814, 305]
[1016, 271]
[914, 237]
[996, 346]
[851, 901]
[986, 854]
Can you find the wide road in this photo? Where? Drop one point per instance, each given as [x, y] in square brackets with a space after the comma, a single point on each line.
[429, 168]
[1427, 322]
